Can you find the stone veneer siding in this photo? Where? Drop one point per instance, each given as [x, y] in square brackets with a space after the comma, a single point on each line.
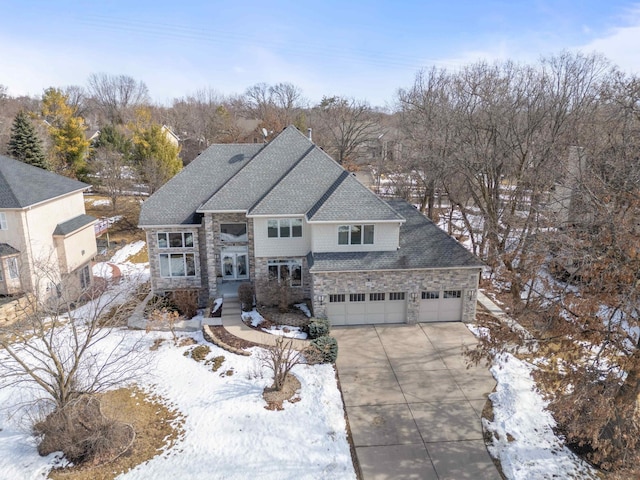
[408, 281]
[163, 284]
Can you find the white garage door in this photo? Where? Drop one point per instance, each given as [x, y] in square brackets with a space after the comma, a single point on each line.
[367, 308]
[441, 306]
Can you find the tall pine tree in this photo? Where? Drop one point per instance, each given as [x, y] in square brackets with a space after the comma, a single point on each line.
[24, 144]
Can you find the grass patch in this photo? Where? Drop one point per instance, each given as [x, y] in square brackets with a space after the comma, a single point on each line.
[157, 427]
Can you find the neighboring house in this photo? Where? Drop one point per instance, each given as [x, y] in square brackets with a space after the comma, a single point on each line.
[286, 210]
[42, 222]
[172, 137]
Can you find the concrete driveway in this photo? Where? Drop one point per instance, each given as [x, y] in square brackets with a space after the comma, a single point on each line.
[413, 406]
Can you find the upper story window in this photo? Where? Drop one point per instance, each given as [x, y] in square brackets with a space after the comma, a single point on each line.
[284, 228]
[175, 240]
[355, 235]
[233, 232]
[3, 221]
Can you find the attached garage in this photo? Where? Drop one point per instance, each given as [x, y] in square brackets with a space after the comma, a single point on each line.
[367, 308]
[440, 306]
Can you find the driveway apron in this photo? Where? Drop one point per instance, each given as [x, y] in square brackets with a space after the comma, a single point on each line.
[413, 406]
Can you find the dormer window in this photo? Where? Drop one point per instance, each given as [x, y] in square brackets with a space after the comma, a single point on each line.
[355, 235]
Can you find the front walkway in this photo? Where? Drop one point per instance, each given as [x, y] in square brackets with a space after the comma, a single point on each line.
[413, 406]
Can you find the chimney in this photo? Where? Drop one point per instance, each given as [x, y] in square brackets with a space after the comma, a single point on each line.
[309, 134]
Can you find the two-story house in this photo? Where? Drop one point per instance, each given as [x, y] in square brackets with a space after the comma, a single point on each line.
[43, 226]
[286, 210]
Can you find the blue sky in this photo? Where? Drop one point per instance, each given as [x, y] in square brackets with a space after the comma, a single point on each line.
[361, 49]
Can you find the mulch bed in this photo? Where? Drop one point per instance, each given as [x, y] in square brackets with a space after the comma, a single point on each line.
[273, 317]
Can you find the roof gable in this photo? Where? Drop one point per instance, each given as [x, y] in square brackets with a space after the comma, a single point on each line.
[23, 185]
[259, 175]
[349, 200]
[298, 191]
[176, 202]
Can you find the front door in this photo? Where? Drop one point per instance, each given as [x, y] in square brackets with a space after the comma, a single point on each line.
[235, 265]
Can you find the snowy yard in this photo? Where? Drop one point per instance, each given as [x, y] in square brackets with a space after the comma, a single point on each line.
[228, 433]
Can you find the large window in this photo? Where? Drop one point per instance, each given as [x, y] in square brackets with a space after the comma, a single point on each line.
[355, 235]
[3, 221]
[177, 265]
[175, 240]
[233, 232]
[13, 267]
[284, 228]
[286, 270]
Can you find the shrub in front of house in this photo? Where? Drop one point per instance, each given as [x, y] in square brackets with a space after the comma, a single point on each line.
[245, 295]
[326, 347]
[186, 302]
[318, 327]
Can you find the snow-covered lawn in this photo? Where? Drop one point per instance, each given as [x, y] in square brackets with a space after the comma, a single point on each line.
[524, 440]
[228, 432]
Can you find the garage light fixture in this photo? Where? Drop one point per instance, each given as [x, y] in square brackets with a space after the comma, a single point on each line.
[414, 296]
[320, 299]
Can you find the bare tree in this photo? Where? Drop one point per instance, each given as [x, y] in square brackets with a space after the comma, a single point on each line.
[113, 173]
[280, 359]
[116, 95]
[345, 125]
[277, 106]
[56, 351]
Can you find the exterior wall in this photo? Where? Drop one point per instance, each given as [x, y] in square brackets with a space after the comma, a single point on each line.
[31, 232]
[262, 273]
[280, 247]
[75, 250]
[161, 284]
[219, 218]
[386, 237]
[409, 281]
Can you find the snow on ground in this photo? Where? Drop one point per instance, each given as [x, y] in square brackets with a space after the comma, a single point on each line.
[129, 250]
[100, 202]
[216, 305]
[523, 437]
[228, 432]
[254, 317]
[304, 308]
[286, 331]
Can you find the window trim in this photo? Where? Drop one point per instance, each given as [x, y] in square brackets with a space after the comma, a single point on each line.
[337, 298]
[377, 297]
[357, 297]
[430, 295]
[283, 224]
[366, 231]
[246, 232]
[396, 296]
[289, 263]
[3, 221]
[183, 236]
[184, 256]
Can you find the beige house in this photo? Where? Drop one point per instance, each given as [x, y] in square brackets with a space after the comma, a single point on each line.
[42, 223]
[285, 210]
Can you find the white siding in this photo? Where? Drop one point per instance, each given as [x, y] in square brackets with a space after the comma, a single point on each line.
[325, 238]
[279, 247]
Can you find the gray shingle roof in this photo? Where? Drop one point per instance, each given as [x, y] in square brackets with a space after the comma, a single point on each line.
[6, 250]
[176, 202]
[65, 228]
[299, 190]
[351, 201]
[422, 245]
[251, 183]
[23, 185]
